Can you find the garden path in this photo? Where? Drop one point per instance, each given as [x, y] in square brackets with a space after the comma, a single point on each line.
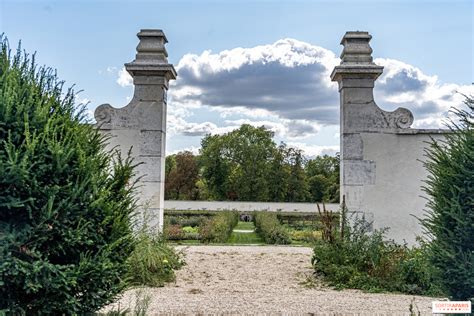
[260, 280]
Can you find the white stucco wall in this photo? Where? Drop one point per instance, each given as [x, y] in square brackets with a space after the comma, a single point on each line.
[395, 198]
[247, 206]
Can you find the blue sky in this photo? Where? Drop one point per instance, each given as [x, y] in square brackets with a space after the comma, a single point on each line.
[286, 50]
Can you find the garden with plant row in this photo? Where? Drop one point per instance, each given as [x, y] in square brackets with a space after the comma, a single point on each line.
[217, 227]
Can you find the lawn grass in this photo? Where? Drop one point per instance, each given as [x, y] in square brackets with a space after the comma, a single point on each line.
[245, 238]
[239, 238]
[245, 226]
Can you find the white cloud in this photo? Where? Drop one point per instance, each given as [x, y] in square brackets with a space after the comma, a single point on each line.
[403, 85]
[111, 69]
[179, 126]
[193, 149]
[124, 79]
[288, 78]
[286, 87]
[240, 110]
[283, 127]
[315, 150]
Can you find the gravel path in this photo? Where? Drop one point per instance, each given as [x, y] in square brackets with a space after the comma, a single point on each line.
[260, 280]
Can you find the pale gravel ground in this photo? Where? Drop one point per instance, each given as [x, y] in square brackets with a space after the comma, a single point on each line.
[261, 280]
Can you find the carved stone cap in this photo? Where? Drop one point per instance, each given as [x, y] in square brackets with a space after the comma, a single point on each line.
[356, 48]
[151, 58]
[151, 47]
[152, 33]
[356, 58]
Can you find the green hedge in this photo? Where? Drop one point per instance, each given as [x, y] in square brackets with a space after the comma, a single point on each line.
[193, 221]
[270, 229]
[65, 202]
[219, 228]
[190, 213]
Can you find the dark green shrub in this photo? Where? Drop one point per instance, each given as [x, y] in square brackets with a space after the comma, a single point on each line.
[152, 262]
[450, 215]
[65, 202]
[190, 213]
[172, 220]
[219, 228]
[270, 229]
[193, 221]
[416, 273]
[361, 260]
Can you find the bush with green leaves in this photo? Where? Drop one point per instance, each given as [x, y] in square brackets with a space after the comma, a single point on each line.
[193, 221]
[309, 236]
[153, 261]
[65, 203]
[270, 229]
[219, 228]
[450, 215]
[362, 260]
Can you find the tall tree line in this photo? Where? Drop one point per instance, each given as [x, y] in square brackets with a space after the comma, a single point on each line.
[247, 165]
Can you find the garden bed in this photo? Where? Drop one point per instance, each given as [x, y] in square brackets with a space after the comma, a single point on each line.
[194, 226]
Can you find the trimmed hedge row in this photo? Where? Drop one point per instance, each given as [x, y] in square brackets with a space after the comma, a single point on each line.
[270, 229]
[190, 213]
[219, 228]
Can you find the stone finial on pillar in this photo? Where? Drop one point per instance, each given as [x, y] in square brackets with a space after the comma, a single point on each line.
[356, 76]
[356, 48]
[150, 70]
[141, 124]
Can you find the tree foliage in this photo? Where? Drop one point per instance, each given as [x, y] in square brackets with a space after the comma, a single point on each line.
[182, 174]
[247, 165]
[450, 214]
[65, 203]
[323, 178]
[235, 165]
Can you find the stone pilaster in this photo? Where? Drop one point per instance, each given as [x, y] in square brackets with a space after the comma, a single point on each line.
[359, 113]
[141, 124]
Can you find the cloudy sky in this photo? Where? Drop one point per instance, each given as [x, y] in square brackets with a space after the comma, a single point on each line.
[256, 62]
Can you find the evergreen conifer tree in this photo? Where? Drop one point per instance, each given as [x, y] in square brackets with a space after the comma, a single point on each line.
[450, 214]
[65, 203]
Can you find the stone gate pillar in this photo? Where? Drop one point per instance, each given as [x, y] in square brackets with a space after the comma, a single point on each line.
[141, 124]
[360, 115]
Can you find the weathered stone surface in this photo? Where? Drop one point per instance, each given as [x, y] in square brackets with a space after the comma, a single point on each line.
[358, 172]
[356, 76]
[353, 146]
[354, 196]
[381, 172]
[141, 124]
[149, 168]
[151, 143]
